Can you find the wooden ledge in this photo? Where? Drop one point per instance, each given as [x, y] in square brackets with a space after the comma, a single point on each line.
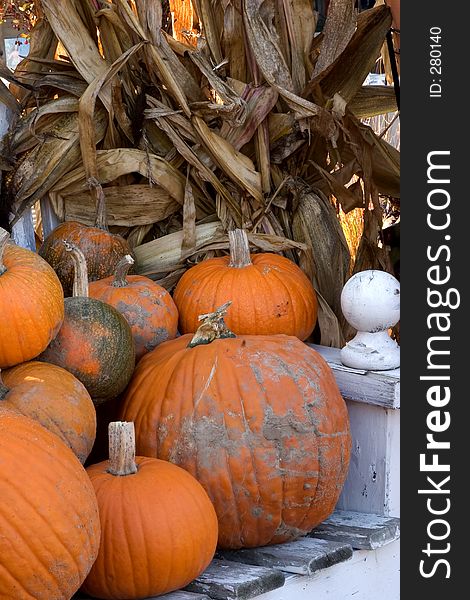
[304, 556]
[381, 388]
[362, 531]
[227, 580]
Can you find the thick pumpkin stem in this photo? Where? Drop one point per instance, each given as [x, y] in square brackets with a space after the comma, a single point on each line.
[80, 280]
[4, 237]
[121, 435]
[239, 249]
[213, 327]
[3, 388]
[101, 221]
[122, 268]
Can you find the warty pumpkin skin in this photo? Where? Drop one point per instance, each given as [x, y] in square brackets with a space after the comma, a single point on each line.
[56, 399]
[49, 519]
[95, 341]
[270, 293]
[147, 307]
[102, 249]
[95, 344]
[259, 421]
[31, 303]
[158, 527]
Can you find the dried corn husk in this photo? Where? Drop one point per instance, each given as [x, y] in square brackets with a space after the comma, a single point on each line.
[243, 119]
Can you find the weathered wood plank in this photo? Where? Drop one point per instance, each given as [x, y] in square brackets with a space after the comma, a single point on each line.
[23, 232]
[373, 481]
[178, 595]
[362, 531]
[48, 216]
[304, 556]
[226, 580]
[381, 388]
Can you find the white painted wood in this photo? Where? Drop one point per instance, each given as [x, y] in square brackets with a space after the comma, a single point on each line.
[368, 575]
[49, 219]
[381, 388]
[370, 301]
[362, 531]
[22, 232]
[373, 481]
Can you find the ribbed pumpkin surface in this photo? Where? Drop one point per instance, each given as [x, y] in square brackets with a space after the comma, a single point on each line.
[270, 296]
[31, 306]
[95, 344]
[102, 250]
[258, 420]
[49, 523]
[57, 400]
[159, 531]
[147, 307]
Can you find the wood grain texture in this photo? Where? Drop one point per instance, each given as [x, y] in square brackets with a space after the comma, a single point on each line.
[371, 387]
[304, 556]
[363, 531]
[226, 580]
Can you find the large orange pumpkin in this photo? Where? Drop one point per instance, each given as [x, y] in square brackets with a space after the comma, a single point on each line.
[56, 399]
[270, 293]
[259, 421]
[31, 303]
[49, 521]
[95, 341]
[158, 526]
[102, 249]
[147, 307]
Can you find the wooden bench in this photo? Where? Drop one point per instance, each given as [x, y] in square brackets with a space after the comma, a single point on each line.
[354, 554]
[336, 555]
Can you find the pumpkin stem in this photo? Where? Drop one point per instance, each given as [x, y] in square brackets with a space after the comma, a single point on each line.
[239, 249]
[121, 435]
[213, 327]
[101, 221]
[122, 269]
[3, 388]
[80, 280]
[4, 237]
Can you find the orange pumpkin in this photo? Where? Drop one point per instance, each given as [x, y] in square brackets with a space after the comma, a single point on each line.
[259, 421]
[158, 526]
[56, 399]
[102, 249]
[147, 307]
[270, 293]
[49, 521]
[31, 303]
[95, 341]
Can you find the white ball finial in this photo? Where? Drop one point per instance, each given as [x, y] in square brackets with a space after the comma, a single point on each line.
[370, 302]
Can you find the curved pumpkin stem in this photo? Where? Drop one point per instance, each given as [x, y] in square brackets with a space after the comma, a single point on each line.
[122, 268]
[121, 435]
[101, 220]
[80, 280]
[3, 388]
[239, 249]
[4, 237]
[213, 327]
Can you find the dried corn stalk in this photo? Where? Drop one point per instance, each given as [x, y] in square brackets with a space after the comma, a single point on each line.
[241, 118]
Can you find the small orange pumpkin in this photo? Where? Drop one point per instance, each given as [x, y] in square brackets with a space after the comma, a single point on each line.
[102, 249]
[270, 293]
[259, 420]
[56, 399]
[31, 303]
[158, 526]
[49, 520]
[147, 307]
[95, 341]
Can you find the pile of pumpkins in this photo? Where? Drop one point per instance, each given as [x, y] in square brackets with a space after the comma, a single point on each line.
[241, 435]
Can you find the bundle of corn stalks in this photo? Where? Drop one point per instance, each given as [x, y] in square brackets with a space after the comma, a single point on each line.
[195, 117]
